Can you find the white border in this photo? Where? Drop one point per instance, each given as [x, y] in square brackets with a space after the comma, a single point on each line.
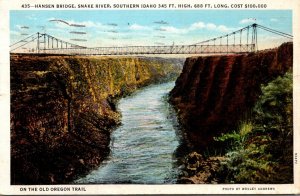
[6, 188]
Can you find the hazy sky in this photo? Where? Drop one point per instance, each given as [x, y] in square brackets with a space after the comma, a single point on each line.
[138, 27]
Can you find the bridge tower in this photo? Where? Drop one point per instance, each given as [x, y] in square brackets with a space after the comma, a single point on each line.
[254, 37]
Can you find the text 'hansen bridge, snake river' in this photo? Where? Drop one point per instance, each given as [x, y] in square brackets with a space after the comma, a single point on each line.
[241, 41]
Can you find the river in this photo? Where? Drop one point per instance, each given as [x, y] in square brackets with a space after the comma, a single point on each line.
[142, 148]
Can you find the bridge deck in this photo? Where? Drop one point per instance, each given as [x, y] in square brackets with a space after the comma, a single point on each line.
[174, 49]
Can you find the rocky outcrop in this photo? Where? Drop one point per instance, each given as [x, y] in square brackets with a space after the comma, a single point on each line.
[63, 111]
[214, 92]
[198, 170]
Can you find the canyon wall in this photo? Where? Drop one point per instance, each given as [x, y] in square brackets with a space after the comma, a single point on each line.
[63, 110]
[213, 93]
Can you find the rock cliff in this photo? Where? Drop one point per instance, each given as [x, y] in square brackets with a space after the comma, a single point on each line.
[63, 110]
[214, 92]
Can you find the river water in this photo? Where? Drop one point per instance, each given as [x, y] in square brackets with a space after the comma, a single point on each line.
[142, 148]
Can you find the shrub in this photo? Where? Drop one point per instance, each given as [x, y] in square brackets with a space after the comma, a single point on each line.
[261, 150]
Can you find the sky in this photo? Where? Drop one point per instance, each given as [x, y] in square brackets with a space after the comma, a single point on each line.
[139, 27]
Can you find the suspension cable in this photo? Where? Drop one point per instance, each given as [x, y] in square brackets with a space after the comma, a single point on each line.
[290, 37]
[275, 31]
[22, 40]
[24, 44]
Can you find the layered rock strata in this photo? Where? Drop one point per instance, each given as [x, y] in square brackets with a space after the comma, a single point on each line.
[213, 93]
[63, 111]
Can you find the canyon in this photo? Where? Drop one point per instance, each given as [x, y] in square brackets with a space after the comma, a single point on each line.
[213, 93]
[63, 110]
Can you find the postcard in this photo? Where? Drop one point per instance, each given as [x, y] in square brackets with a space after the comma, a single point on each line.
[152, 97]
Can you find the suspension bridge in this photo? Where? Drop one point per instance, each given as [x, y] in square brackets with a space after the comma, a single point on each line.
[243, 40]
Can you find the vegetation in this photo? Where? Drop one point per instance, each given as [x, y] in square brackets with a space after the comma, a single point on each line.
[261, 151]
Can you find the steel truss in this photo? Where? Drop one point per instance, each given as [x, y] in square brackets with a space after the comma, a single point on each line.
[241, 41]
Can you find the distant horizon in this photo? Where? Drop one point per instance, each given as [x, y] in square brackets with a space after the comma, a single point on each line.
[107, 28]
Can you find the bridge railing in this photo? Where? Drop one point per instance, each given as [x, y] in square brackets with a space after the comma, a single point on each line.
[174, 49]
